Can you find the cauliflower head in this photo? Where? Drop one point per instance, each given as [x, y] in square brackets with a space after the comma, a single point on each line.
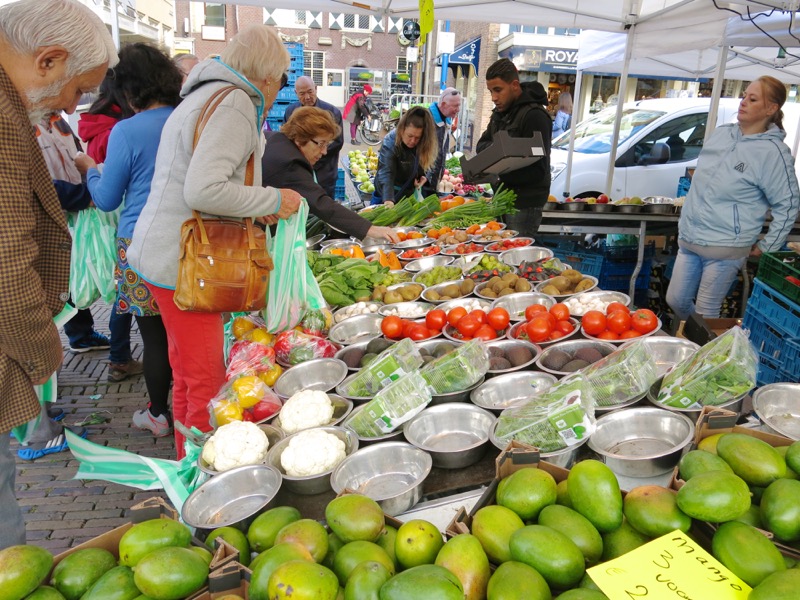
[236, 444]
[312, 452]
[306, 409]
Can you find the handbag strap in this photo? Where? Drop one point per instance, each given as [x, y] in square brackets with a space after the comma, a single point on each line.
[205, 115]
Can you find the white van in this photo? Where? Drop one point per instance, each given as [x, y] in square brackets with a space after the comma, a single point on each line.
[658, 140]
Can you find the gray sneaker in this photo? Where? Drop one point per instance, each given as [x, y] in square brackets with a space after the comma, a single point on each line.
[158, 426]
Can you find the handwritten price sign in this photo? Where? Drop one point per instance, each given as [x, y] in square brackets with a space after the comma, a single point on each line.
[672, 567]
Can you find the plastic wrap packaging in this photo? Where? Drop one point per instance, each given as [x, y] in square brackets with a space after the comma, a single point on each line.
[560, 417]
[243, 398]
[722, 370]
[395, 404]
[249, 358]
[625, 374]
[294, 347]
[457, 370]
[391, 364]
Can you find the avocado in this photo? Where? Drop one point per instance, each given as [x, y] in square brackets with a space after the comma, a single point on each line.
[498, 364]
[574, 365]
[747, 552]
[752, 459]
[377, 345]
[352, 358]
[518, 355]
[589, 354]
[556, 359]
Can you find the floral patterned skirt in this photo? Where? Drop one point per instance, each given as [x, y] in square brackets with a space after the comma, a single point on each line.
[132, 295]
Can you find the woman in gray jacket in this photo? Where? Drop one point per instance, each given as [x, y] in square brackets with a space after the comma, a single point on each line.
[211, 180]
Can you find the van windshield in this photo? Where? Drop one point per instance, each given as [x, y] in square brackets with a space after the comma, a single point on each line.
[593, 135]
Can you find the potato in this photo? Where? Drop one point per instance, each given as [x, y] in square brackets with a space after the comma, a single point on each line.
[461, 236]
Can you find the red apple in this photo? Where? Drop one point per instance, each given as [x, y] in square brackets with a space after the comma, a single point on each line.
[569, 199]
[602, 199]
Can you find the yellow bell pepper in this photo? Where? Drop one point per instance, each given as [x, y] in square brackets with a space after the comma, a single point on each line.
[249, 390]
[227, 411]
[271, 376]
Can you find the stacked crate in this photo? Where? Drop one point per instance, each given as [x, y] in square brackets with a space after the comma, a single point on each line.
[287, 95]
[339, 192]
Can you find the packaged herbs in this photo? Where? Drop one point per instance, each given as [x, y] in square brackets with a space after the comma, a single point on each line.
[623, 375]
[395, 404]
[457, 370]
[391, 364]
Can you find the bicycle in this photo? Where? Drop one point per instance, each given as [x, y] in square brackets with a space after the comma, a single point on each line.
[370, 129]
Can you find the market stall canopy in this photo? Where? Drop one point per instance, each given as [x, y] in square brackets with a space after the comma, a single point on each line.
[466, 55]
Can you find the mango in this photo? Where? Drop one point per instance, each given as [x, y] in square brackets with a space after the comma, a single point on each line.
[594, 493]
[351, 555]
[621, 541]
[709, 444]
[715, 496]
[262, 531]
[582, 594]
[792, 457]
[355, 517]
[235, 538]
[142, 538]
[366, 580]
[752, 517]
[170, 573]
[790, 473]
[78, 571]
[464, 557]
[653, 510]
[302, 580]
[493, 526]
[550, 552]
[22, 570]
[116, 584]
[780, 509]
[430, 582]
[45, 592]
[387, 540]
[778, 586]
[755, 494]
[334, 543]
[417, 543]
[307, 532]
[700, 461]
[747, 552]
[576, 527]
[517, 581]
[588, 583]
[527, 492]
[752, 459]
[265, 564]
[562, 494]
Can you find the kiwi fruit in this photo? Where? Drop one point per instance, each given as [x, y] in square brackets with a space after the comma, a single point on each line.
[510, 278]
[392, 297]
[498, 363]
[518, 355]
[573, 275]
[522, 285]
[496, 352]
[367, 358]
[498, 286]
[377, 345]
[574, 365]
[408, 293]
[584, 284]
[353, 357]
[590, 355]
[467, 286]
[433, 295]
[557, 359]
[551, 290]
[493, 281]
[505, 292]
[489, 292]
[561, 283]
[451, 290]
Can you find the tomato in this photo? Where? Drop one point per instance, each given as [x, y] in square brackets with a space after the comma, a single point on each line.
[467, 326]
[498, 318]
[618, 321]
[608, 335]
[407, 327]
[455, 315]
[565, 326]
[480, 315]
[533, 310]
[615, 306]
[548, 316]
[630, 334]
[644, 320]
[486, 333]
[538, 329]
[392, 327]
[560, 311]
[419, 332]
[436, 319]
[593, 322]
[555, 335]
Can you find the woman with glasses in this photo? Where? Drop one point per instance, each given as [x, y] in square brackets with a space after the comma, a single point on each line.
[289, 160]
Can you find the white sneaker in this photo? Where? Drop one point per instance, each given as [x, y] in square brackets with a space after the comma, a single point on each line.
[158, 426]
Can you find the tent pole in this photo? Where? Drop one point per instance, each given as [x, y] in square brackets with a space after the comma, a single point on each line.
[623, 85]
[716, 90]
[576, 118]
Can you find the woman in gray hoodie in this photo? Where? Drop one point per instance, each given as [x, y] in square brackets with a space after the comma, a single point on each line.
[211, 180]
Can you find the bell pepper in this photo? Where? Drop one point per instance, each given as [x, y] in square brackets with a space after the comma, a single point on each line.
[227, 411]
[271, 376]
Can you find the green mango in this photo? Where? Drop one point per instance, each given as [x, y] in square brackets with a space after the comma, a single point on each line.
[550, 552]
[780, 509]
[355, 517]
[45, 592]
[700, 461]
[581, 594]
[493, 525]
[653, 510]
[22, 570]
[464, 557]
[387, 540]
[790, 473]
[752, 517]
[366, 580]
[562, 494]
[792, 457]
[265, 564]
[78, 571]
[351, 555]
[171, 573]
[594, 493]
[115, 584]
[430, 582]
[783, 585]
[752, 459]
[715, 496]
[302, 580]
[334, 543]
[621, 541]
[235, 538]
[576, 527]
[747, 552]
[527, 492]
[142, 538]
[262, 531]
[517, 581]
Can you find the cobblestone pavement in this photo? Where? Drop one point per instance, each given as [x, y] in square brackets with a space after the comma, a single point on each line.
[62, 512]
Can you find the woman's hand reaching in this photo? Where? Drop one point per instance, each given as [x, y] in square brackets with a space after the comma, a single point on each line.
[421, 181]
[384, 233]
[290, 203]
[84, 162]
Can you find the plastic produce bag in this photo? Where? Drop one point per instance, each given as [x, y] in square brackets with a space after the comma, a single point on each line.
[395, 404]
[243, 398]
[457, 370]
[293, 347]
[391, 364]
[249, 358]
[623, 375]
[722, 370]
[293, 291]
[94, 256]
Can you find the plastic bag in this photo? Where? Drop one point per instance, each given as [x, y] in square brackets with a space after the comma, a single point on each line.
[623, 375]
[457, 370]
[243, 398]
[391, 364]
[249, 358]
[395, 404]
[293, 291]
[293, 347]
[93, 256]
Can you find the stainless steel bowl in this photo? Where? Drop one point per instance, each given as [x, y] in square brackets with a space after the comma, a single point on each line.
[516, 303]
[398, 286]
[574, 206]
[274, 435]
[667, 351]
[480, 303]
[312, 484]
[564, 458]
[233, 498]
[418, 309]
[517, 256]
[438, 288]
[391, 473]
[601, 208]
[628, 208]
[341, 408]
[734, 405]
[510, 389]
[368, 249]
[505, 345]
[642, 441]
[514, 331]
[482, 239]
[778, 407]
[414, 243]
[457, 274]
[658, 200]
[454, 436]
[422, 264]
[392, 436]
[356, 329]
[329, 245]
[494, 250]
[467, 262]
[322, 374]
[314, 241]
[541, 285]
[459, 396]
[570, 347]
[603, 296]
[344, 353]
[661, 209]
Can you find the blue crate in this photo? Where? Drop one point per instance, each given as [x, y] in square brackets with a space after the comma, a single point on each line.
[617, 275]
[774, 307]
[766, 339]
[790, 356]
[287, 94]
[769, 370]
[340, 175]
[585, 262]
[627, 252]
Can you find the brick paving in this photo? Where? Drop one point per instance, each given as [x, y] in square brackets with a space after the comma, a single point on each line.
[62, 512]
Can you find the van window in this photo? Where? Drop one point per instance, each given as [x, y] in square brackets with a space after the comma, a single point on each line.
[683, 135]
[593, 136]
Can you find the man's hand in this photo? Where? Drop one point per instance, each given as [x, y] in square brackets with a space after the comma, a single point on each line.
[290, 203]
[84, 162]
[755, 251]
[41, 381]
[384, 233]
[268, 220]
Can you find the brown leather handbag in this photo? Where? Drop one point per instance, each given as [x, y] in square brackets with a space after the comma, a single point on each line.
[224, 264]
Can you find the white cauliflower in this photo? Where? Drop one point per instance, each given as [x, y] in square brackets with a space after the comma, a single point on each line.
[306, 409]
[236, 444]
[312, 452]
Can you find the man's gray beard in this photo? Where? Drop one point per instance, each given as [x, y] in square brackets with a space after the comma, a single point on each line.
[38, 108]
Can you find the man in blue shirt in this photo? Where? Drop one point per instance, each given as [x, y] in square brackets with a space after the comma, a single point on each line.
[327, 167]
[444, 111]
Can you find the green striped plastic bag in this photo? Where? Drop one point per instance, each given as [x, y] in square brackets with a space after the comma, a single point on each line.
[94, 256]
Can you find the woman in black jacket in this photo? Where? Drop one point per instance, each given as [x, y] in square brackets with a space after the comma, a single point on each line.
[288, 162]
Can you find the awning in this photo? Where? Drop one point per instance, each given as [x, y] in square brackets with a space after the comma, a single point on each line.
[466, 54]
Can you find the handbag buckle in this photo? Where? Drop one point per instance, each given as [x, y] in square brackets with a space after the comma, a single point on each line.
[211, 260]
[201, 284]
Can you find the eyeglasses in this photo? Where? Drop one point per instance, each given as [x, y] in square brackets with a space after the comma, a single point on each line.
[321, 145]
[452, 93]
[284, 81]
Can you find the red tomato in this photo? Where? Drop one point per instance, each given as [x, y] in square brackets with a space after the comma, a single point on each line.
[480, 315]
[455, 315]
[644, 320]
[407, 327]
[618, 321]
[498, 318]
[615, 306]
[608, 335]
[436, 319]
[560, 311]
[538, 329]
[593, 322]
[419, 332]
[486, 333]
[392, 327]
[467, 326]
[532, 310]
[631, 333]
[555, 335]
[565, 326]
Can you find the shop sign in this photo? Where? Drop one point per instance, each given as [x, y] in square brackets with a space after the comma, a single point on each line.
[550, 59]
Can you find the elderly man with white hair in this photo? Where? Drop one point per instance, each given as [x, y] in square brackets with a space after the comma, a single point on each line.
[443, 112]
[51, 53]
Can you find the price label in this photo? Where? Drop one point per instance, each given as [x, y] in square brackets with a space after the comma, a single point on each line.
[672, 567]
